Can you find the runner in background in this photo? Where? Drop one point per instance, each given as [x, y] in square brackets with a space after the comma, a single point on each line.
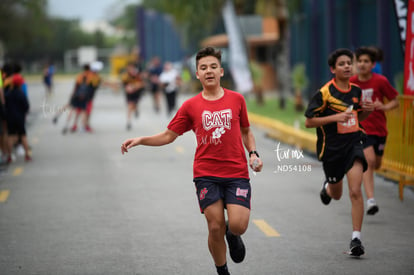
[154, 71]
[48, 72]
[170, 81]
[96, 81]
[133, 84]
[79, 99]
[377, 89]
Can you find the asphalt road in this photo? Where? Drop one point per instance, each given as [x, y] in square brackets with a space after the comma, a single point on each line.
[80, 207]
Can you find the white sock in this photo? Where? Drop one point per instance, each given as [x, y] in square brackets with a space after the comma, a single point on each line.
[356, 234]
[371, 200]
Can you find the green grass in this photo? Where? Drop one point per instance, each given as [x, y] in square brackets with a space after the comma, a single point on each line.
[271, 109]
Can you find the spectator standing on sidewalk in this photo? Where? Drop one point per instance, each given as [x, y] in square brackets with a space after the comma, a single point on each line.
[17, 107]
[3, 124]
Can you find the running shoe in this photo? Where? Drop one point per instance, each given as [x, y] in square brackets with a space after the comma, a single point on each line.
[236, 246]
[372, 208]
[74, 128]
[88, 129]
[356, 248]
[324, 195]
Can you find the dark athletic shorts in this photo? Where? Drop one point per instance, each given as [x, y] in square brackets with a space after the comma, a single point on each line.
[78, 103]
[339, 164]
[135, 96]
[155, 87]
[230, 190]
[16, 128]
[377, 142]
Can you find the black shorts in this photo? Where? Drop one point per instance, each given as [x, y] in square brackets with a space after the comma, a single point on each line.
[78, 103]
[16, 128]
[377, 142]
[155, 87]
[339, 164]
[135, 96]
[230, 190]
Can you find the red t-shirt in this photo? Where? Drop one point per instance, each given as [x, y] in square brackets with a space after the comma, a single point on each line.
[216, 124]
[17, 80]
[380, 88]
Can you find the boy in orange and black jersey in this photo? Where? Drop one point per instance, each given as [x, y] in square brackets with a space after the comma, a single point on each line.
[134, 86]
[335, 110]
[95, 82]
[79, 101]
[334, 137]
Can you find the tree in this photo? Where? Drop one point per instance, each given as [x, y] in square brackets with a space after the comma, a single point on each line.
[23, 27]
[196, 18]
[199, 17]
[127, 21]
[29, 34]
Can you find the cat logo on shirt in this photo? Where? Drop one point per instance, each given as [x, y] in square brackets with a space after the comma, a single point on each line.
[203, 193]
[217, 119]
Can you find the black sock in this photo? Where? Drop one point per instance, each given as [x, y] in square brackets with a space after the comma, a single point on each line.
[222, 270]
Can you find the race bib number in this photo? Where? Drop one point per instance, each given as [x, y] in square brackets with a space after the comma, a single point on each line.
[350, 126]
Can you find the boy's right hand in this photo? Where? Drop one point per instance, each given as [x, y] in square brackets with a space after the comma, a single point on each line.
[344, 116]
[128, 144]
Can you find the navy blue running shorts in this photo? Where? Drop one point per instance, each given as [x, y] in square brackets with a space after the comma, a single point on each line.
[230, 190]
[377, 142]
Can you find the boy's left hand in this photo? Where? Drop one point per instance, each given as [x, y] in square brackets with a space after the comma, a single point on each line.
[378, 105]
[256, 163]
[368, 106]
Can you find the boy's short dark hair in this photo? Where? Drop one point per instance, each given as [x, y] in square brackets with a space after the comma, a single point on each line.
[368, 51]
[7, 69]
[17, 67]
[379, 54]
[208, 51]
[337, 53]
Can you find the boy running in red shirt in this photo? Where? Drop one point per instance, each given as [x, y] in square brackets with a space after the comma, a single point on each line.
[218, 118]
[375, 88]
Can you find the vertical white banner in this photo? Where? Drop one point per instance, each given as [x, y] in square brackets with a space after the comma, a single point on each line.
[238, 60]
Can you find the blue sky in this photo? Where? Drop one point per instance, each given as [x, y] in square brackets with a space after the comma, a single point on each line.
[87, 10]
